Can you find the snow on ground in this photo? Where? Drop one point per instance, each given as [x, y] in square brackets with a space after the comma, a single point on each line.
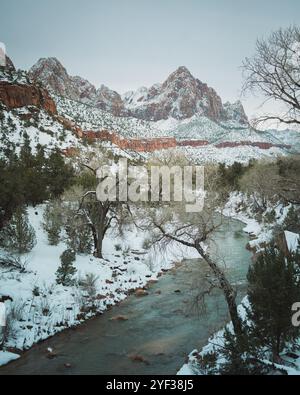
[214, 344]
[6, 357]
[211, 154]
[41, 308]
[197, 127]
[239, 207]
[292, 240]
[217, 341]
[39, 126]
[186, 369]
[228, 155]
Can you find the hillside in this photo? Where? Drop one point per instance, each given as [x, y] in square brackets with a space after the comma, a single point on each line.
[55, 109]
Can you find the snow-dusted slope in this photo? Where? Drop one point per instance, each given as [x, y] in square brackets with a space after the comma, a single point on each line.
[225, 140]
[38, 125]
[287, 137]
[195, 128]
[180, 96]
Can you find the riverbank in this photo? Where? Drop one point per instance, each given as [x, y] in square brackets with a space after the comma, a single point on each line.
[261, 233]
[38, 308]
[151, 334]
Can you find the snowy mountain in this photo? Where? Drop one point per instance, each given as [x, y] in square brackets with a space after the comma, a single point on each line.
[197, 124]
[199, 138]
[53, 76]
[9, 64]
[51, 73]
[181, 96]
[28, 111]
[110, 101]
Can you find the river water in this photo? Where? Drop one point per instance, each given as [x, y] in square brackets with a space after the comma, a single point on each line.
[161, 329]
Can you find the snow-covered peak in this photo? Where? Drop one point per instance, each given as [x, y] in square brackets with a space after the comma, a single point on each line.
[45, 67]
[180, 96]
[181, 74]
[52, 74]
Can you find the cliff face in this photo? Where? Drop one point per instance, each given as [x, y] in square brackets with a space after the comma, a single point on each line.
[192, 143]
[9, 64]
[53, 76]
[156, 144]
[181, 96]
[139, 145]
[18, 95]
[110, 101]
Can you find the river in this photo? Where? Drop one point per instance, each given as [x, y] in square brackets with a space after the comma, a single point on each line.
[160, 329]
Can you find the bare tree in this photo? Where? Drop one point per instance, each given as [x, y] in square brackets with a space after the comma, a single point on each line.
[85, 217]
[85, 211]
[274, 71]
[261, 181]
[98, 216]
[171, 224]
[267, 181]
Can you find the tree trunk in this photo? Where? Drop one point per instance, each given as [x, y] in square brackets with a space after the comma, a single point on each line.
[99, 243]
[98, 235]
[277, 350]
[1, 337]
[99, 226]
[229, 292]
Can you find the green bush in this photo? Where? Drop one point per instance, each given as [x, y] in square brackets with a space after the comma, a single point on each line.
[66, 270]
[18, 236]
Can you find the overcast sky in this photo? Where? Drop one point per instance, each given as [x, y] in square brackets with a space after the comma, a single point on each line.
[126, 44]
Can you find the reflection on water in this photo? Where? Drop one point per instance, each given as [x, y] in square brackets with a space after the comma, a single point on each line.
[162, 328]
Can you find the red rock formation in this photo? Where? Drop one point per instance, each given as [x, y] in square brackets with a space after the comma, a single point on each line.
[156, 144]
[139, 145]
[70, 125]
[259, 144]
[192, 143]
[53, 76]
[181, 96]
[16, 95]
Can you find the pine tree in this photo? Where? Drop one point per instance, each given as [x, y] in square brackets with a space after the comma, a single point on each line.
[292, 220]
[18, 236]
[240, 355]
[66, 270]
[52, 222]
[273, 288]
[58, 173]
[30, 178]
